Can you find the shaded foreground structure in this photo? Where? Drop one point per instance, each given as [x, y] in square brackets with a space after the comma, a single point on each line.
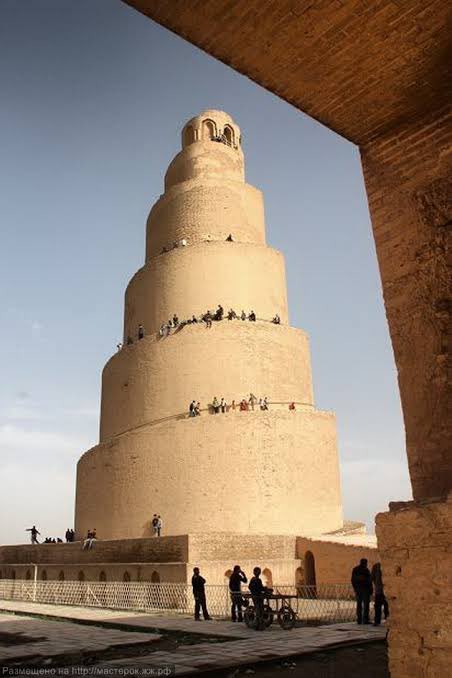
[377, 73]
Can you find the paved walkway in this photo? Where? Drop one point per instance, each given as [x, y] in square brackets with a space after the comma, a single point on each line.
[45, 638]
[273, 643]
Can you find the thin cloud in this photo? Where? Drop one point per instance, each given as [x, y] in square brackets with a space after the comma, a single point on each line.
[21, 413]
[368, 485]
[15, 438]
[36, 329]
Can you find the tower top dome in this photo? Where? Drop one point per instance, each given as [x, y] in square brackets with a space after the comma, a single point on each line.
[212, 125]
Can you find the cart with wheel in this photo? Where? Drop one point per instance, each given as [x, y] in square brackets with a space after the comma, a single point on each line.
[275, 605]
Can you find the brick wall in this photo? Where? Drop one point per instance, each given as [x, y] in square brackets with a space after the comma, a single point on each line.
[231, 547]
[407, 174]
[333, 562]
[414, 541]
[157, 550]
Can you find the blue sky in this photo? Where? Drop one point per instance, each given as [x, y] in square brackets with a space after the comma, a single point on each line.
[93, 97]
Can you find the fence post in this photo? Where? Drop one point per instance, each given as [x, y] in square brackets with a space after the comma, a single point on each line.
[35, 581]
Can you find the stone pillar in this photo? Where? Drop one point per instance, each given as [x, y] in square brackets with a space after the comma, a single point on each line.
[407, 173]
[414, 543]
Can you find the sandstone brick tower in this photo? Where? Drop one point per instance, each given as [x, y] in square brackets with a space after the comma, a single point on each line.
[264, 472]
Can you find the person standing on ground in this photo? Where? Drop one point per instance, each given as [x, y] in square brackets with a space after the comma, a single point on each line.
[159, 525]
[362, 586]
[140, 332]
[223, 405]
[258, 592]
[380, 598]
[215, 405]
[235, 582]
[154, 524]
[34, 534]
[199, 594]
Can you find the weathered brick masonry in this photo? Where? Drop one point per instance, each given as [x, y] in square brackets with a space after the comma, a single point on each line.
[408, 180]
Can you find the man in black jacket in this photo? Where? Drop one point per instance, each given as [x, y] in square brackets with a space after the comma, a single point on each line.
[362, 585]
[199, 594]
[235, 581]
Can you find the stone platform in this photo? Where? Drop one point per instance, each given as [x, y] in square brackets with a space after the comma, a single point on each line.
[283, 559]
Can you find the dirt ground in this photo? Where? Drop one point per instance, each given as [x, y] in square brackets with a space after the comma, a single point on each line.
[369, 660]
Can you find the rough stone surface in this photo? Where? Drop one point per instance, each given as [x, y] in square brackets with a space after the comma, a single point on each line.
[407, 175]
[118, 482]
[417, 564]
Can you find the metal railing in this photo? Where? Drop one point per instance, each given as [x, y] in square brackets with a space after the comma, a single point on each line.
[313, 604]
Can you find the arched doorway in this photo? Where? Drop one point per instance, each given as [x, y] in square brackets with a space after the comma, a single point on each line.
[44, 575]
[229, 135]
[61, 576]
[208, 129]
[28, 575]
[126, 576]
[155, 577]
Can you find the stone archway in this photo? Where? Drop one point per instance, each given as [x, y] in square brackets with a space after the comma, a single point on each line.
[309, 569]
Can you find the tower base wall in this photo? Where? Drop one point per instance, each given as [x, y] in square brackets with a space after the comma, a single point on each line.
[282, 559]
[241, 472]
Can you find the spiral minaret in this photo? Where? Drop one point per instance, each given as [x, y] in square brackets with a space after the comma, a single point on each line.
[256, 472]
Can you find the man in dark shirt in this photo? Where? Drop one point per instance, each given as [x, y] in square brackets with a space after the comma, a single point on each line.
[258, 593]
[362, 585]
[199, 594]
[34, 534]
[235, 581]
